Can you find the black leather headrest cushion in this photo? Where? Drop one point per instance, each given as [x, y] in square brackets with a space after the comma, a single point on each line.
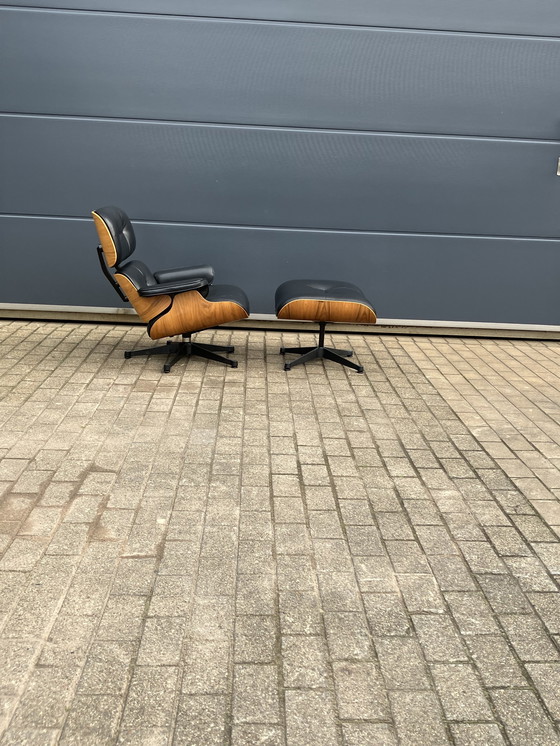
[121, 233]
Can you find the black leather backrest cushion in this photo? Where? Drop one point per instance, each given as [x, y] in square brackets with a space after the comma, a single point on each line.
[138, 274]
[122, 232]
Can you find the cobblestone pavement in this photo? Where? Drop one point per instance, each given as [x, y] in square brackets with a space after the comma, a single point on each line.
[250, 556]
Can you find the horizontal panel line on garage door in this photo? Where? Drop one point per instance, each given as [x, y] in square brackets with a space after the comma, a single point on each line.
[282, 178]
[272, 22]
[291, 229]
[280, 128]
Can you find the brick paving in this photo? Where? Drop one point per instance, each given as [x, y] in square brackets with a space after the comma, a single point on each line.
[250, 556]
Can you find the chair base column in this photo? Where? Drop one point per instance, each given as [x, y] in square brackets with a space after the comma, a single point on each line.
[186, 348]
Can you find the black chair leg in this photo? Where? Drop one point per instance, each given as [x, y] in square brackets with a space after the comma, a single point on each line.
[344, 353]
[215, 348]
[331, 355]
[203, 351]
[175, 359]
[296, 350]
[311, 354]
[166, 349]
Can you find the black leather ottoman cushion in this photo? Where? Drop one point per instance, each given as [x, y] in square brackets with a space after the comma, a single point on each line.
[323, 300]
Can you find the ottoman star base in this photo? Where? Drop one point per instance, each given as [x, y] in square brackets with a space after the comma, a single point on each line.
[323, 301]
[320, 351]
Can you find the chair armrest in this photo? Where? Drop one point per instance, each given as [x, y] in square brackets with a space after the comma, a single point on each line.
[172, 288]
[202, 271]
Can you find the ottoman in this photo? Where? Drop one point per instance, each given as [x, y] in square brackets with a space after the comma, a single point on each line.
[323, 301]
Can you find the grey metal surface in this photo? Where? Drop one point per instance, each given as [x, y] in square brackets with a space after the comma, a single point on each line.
[412, 277]
[531, 17]
[279, 177]
[279, 74]
[305, 136]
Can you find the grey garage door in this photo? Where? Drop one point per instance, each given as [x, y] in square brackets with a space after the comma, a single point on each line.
[410, 146]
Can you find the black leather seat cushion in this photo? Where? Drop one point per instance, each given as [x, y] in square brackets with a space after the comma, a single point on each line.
[319, 290]
[231, 293]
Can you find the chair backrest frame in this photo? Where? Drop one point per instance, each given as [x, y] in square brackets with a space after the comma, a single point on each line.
[108, 275]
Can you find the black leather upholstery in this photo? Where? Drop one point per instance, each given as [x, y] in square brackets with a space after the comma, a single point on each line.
[172, 288]
[231, 293]
[200, 271]
[148, 285]
[168, 281]
[319, 290]
[138, 274]
[121, 230]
